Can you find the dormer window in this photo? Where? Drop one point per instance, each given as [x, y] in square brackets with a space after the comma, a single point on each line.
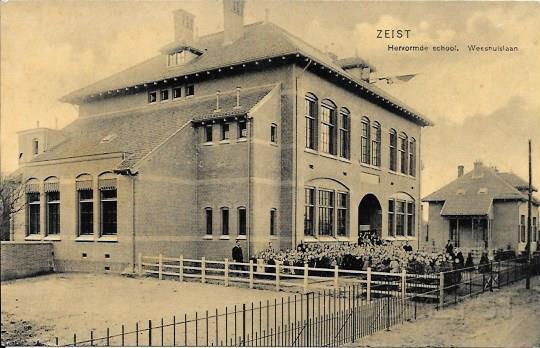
[108, 138]
[179, 58]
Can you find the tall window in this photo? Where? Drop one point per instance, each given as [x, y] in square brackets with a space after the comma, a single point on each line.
[345, 134]
[403, 150]
[208, 133]
[400, 218]
[391, 215]
[326, 212]
[33, 212]
[376, 144]
[522, 229]
[242, 129]
[86, 211]
[273, 133]
[311, 121]
[53, 212]
[242, 218]
[328, 128]
[364, 140]
[393, 150]
[108, 204]
[272, 222]
[309, 211]
[410, 219]
[412, 157]
[342, 213]
[35, 146]
[224, 131]
[208, 218]
[225, 221]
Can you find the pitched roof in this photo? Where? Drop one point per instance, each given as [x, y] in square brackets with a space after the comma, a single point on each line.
[88, 135]
[516, 181]
[260, 41]
[472, 195]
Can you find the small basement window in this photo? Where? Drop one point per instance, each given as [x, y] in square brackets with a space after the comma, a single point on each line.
[152, 97]
[164, 95]
[190, 90]
[176, 92]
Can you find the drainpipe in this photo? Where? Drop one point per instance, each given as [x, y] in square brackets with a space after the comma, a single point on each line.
[250, 174]
[132, 175]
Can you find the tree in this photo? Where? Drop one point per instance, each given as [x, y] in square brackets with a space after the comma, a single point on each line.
[11, 202]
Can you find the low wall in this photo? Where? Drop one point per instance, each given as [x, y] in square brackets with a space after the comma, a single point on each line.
[25, 259]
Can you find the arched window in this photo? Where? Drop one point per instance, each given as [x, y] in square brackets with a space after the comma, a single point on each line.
[312, 120]
[412, 157]
[403, 153]
[365, 139]
[108, 204]
[85, 206]
[242, 221]
[393, 149]
[52, 211]
[376, 144]
[328, 127]
[345, 133]
[32, 207]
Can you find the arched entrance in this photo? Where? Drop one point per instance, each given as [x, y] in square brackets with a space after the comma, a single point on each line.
[370, 215]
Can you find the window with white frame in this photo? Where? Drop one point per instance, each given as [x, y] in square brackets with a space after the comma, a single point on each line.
[224, 131]
[311, 112]
[403, 153]
[52, 215]
[108, 205]
[164, 95]
[410, 219]
[309, 211]
[85, 223]
[342, 213]
[412, 157]
[242, 221]
[176, 92]
[33, 212]
[328, 127]
[391, 217]
[401, 216]
[393, 150]
[208, 219]
[225, 221]
[345, 134]
[326, 212]
[376, 144]
[364, 141]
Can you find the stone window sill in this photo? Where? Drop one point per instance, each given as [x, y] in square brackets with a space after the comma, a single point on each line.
[34, 237]
[241, 237]
[108, 239]
[86, 238]
[208, 237]
[53, 238]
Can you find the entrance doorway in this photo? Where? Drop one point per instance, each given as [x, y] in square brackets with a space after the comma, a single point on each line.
[369, 216]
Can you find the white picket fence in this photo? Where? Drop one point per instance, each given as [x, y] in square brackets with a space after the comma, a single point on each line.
[286, 277]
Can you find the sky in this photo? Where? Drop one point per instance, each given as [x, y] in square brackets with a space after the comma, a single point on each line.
[485, 106]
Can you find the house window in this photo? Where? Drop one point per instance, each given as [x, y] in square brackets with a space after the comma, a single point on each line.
[190, 90]
[33, 212]
[272, 222]
[400, 218]
[152, 97]
[311, 121]
[328, 128]
[177, 92]
[225, 221]
[242, 129]
[309, 211]
[208, 133]
[412, 157]
[242, 221]
[391, 215]
[522, 237]
[393, 150]
[376, 144]
[53, 212]
[326, 212]
[35, 146]
[410, 219]
[273, 133]
[208, 217]
[86, 212]
[342, 213]
[224, 131]
[164, 95]
[108, 210]
[364, 140]
[403, 153]
[345, 134]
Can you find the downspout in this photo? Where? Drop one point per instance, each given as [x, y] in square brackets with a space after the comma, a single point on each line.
[250, 174]
[133, 256]
[420, 219]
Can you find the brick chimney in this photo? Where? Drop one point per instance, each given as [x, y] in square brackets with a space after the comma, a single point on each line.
[233, 20]
[184, 23]
[477, 171]
[460, 170]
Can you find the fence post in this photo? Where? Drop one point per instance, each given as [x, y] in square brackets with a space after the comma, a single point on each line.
[499, 275]
[160, 267]
[226, 275]
[277, 276]
[368, 290]
[441, 290]
[251, 274]
[243, 343]
[140, 264]
[181, 268]
[203, 269]
[306, 270]
[403, 284]
[336, 276]
[491, 276]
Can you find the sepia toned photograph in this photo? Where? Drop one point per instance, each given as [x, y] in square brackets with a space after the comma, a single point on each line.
[270, 173]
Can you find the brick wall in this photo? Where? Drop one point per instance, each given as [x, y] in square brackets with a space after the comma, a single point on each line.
[20, 260]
